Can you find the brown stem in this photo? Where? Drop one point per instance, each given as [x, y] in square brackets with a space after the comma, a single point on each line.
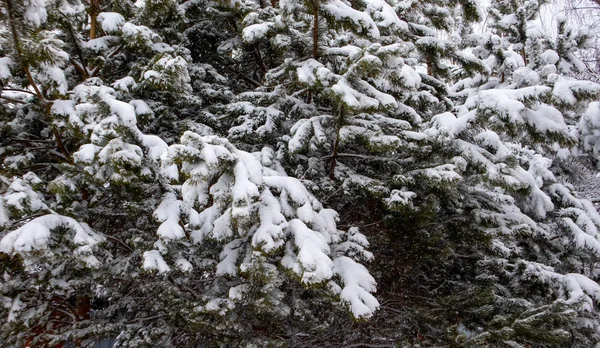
[187, 233]
[429, 66]
[83, 305]
[33, 84]
[59, 143]
[524, 54]
[80, 69]
[94, 11]
[336, 146]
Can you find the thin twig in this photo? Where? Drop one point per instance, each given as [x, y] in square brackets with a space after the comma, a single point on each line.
[110, 55]
[146, 319]
[18, 90]
[12, 100]
[120, 242]
[244, 77]
[365, 157]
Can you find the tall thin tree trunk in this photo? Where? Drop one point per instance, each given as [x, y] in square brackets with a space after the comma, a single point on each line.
[94, 11]
[429, 66]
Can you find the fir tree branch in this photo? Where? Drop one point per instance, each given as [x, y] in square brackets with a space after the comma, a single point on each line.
[94, 72]
[58, 154]
[81, 65]
[361, 226]
[19, 90]
[25, 67]
[80, 68]
[244, 77]
[12, 100]
[146, 319]
[364, 157]
[29, 217]
[32, 140]
[17, 42]
[119, 242]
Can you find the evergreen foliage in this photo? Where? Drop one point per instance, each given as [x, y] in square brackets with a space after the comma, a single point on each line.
[183, 173]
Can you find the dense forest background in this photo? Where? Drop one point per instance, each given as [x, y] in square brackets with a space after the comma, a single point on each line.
[306, 173]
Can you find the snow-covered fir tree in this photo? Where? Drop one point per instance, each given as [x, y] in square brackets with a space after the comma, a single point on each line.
[516, 124]
[114, 225]
[195, 173]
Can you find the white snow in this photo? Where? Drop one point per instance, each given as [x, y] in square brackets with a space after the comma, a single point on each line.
[313, 253]
[358, 286]
[385, 15]
[4, 219]
[86, 153]
[565, 90]
[35, 12]
[168, 213]
[579, 286]
[400, 198]
[35, 234]
[111, 22]
[5, 64]
[255, 32]
[141, 108]
[125, 84]
[184, 265]
[270, 235]
[154, 261]
[341, 11]
[124, 111]
[255, 211]
[351, 97]
[229, 257]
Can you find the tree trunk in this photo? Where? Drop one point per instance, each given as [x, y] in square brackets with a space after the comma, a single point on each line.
[94, 11]
[524, 54]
